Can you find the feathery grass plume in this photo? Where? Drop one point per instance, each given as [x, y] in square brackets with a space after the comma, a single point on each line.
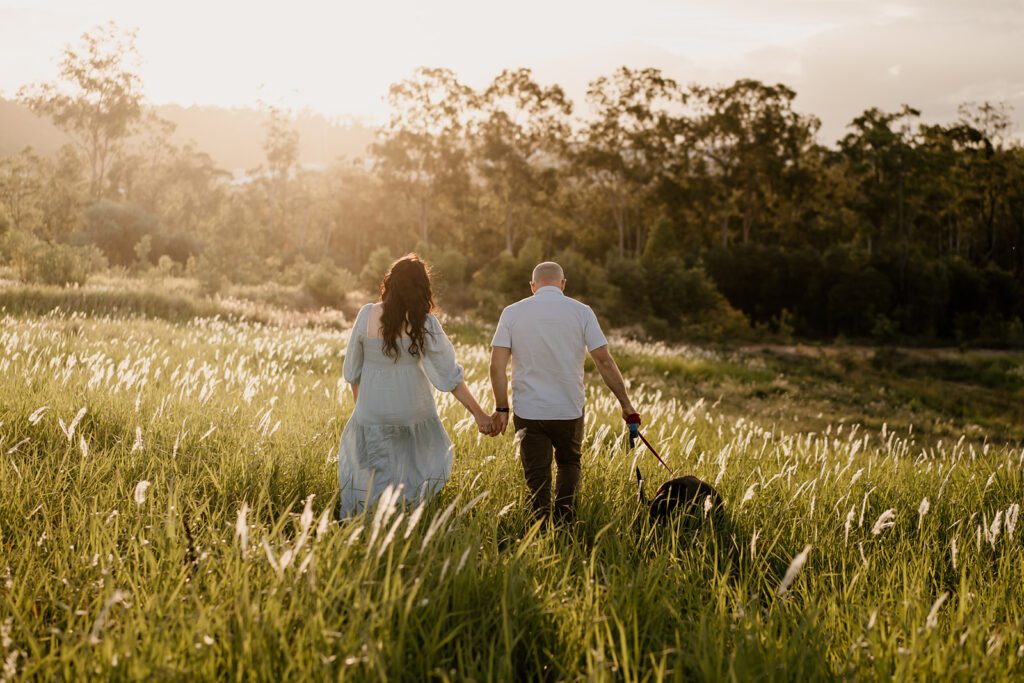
[864, 507]
[884, 521]
[952, 551]
[323, 522]
[69, 430]
[436, 524]
[306, 518]
[849, 521]
[137, 446]
[922, 510]
[992, 532]
[83, 447]
[791, 572]
[386, 506]
[414, 519]
[242, 527]
[270, 556]
[390, 535]
[1011, 520]
[354, 536]
[748, 495]
[139, 494]
[933, 614]
[753, 544]
[37, 415]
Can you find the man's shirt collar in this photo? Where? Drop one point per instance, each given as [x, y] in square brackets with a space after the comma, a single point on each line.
[549, 289]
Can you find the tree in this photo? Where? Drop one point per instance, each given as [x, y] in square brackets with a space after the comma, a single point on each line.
[626, 145]
[754, 144]
[521, 135]
[879, 152]
[96, 100]
[421, 150]
[21, 185]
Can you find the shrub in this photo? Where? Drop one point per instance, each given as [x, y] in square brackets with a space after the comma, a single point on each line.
[377, 264]
[209, 274]
[116, 229]
[60, 264]
[327, 285]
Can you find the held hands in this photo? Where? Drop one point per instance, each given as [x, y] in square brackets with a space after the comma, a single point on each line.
[500, 422]
[491, 425]
[485, 423]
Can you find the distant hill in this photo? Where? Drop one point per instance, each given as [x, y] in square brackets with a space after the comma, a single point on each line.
[233, 137]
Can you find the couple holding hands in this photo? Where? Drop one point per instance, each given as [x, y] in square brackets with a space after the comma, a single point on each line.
[398, 350]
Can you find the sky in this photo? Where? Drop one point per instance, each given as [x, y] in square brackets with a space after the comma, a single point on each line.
[338, 58]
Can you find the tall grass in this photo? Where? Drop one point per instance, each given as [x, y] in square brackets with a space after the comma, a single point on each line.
[182, 526]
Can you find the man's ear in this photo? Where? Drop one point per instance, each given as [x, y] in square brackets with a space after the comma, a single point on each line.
[563, 284]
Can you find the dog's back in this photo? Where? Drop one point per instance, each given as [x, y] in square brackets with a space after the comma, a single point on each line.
[687, 492]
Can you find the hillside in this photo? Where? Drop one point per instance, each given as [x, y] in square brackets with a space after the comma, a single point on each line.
[233, 137]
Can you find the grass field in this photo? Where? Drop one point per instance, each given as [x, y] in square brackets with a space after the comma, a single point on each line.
[168, 493]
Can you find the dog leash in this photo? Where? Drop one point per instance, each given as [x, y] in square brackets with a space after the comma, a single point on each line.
[633, 421]
[654, 452]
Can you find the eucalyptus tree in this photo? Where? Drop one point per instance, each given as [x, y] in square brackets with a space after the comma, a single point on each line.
[96, 99]
[755, 147]
[520, 132]
[421, 152]
[625, 147]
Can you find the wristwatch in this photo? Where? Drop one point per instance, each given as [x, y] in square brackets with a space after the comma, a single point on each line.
[501, 410]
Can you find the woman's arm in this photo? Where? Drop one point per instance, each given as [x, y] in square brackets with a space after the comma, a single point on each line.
[465, 396]
[355, 392]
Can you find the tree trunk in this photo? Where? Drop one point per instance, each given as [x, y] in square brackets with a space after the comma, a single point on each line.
[424, 223]
[508, 230]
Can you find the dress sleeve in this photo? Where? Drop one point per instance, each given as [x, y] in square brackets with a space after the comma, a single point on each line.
[439, 361]
[353, 369]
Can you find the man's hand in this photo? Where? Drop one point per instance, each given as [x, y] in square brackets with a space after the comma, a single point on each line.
[500, 420]
[627, 410]
[485, 423]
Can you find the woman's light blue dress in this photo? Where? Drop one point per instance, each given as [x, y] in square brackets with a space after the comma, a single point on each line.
[395, 436]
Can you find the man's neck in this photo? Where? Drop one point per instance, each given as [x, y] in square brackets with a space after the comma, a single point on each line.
[549, 288]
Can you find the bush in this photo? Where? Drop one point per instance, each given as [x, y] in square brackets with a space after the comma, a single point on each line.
[210, 276]
[448, 273]
[60, 264]
[377, 265]
[116, 229]
[327, 285]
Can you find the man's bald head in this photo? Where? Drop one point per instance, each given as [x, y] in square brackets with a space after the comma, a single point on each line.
[547, 273]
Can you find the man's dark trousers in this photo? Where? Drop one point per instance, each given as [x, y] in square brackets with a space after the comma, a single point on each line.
[538, 439]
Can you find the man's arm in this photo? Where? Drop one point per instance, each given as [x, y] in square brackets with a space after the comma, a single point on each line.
[611, 376]
[500, 357]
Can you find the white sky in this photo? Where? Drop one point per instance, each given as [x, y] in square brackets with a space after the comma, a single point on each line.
[841, 56]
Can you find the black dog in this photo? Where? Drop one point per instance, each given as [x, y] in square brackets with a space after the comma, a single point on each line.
[689, 492]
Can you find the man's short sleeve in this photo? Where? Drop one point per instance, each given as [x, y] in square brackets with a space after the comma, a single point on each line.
[503, 334]
[592, 334]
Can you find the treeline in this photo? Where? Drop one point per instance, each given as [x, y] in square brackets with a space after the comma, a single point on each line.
[680, 208]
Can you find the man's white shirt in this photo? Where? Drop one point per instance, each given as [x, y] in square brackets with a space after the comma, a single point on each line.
[549, 335]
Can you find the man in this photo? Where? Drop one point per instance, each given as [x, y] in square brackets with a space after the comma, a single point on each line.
[547, 336]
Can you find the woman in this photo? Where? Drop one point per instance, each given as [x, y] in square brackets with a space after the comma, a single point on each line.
[397, 349]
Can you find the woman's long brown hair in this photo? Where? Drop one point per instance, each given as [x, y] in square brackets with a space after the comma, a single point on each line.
[407, 297]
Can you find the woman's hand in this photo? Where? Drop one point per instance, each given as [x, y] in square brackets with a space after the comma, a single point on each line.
[484, 423]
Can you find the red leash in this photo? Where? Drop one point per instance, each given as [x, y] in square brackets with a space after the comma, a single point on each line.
[651, 448]
[634, 421]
